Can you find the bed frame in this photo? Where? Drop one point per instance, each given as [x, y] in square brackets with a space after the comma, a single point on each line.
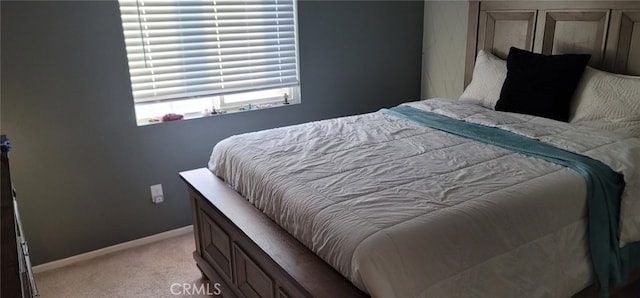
[608, 30]
[249, 255]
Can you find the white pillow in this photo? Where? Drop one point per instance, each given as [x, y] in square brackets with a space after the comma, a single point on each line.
[606, 100]
[488, 76]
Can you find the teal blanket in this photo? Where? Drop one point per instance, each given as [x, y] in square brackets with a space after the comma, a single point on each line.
[611, 264]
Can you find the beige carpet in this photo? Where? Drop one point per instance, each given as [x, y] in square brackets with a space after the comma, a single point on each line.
[151, 271]
[159, 269]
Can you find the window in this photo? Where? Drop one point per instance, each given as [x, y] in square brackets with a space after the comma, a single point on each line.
[192, 56]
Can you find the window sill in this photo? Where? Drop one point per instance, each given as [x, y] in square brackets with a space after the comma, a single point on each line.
[207, 113]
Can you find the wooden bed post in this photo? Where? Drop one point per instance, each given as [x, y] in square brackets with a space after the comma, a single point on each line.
[472, 40]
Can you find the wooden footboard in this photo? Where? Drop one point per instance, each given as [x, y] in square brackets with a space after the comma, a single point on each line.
[248, 254]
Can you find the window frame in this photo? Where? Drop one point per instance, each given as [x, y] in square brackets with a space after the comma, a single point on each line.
[150, 111]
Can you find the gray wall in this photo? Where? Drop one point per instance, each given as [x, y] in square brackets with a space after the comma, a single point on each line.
[445, 42]
[81, 166]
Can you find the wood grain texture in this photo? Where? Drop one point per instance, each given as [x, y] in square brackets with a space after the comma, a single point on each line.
[608, 30]
[251, 278]
[627, 56]
[504, 29]
[472, 40]
[265, 246]
[573, 32]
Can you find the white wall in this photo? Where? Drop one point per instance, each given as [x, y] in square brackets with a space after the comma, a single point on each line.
[444, 48]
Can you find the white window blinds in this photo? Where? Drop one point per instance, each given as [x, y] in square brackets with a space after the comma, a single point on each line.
[185, 49]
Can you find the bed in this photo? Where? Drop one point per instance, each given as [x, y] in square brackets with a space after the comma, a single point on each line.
[336, 208]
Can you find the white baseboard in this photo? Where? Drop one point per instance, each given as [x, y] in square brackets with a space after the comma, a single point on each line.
[115, 248]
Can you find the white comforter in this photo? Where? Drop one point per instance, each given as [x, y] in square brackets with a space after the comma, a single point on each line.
[403, 210]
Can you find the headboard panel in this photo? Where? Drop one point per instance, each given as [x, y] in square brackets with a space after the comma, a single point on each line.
[627, 59]
[608, 30]
[580, 32]
[503, 29]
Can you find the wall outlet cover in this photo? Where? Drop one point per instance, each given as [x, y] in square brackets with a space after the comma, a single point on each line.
[157, 195]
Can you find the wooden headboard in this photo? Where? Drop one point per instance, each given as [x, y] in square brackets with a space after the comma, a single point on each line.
[608, 30]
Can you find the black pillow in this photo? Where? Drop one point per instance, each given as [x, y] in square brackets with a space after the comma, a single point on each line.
[541, 85]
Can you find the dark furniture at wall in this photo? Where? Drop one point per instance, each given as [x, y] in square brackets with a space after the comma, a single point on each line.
[17, 277]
